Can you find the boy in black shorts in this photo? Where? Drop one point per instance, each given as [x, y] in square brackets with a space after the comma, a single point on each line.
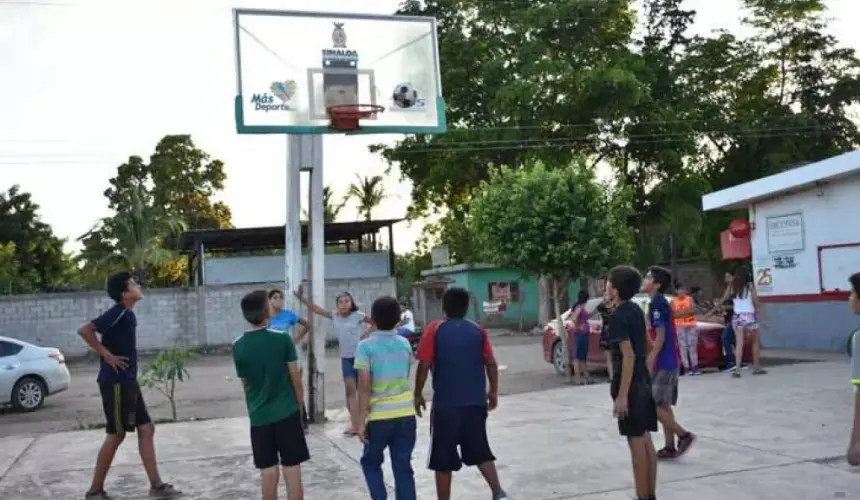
[122, 400]
[460, 354]
[631, 384]
[267, 363]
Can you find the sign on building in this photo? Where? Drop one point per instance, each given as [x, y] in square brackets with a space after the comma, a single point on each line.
[785, 233]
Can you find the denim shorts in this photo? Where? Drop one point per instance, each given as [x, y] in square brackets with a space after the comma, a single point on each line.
[348, 368]
[580, 342]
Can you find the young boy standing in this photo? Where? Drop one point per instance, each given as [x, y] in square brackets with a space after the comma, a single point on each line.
[386, 408]
[461, 356]
[853, 454]
[663, 361]
[122, 400]
[631, 384]
[267, 363]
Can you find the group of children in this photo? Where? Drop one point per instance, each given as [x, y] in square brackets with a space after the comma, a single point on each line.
[378, 364]
[644, 385]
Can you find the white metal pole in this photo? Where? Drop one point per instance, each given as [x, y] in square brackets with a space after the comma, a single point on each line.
[293, 229]
[316, 353]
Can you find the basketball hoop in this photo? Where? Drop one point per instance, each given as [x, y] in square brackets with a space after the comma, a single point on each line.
[345, 117]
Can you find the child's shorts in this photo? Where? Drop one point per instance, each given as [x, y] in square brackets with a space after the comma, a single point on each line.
[458, 436]
[664, 387]
[281, 442]
[745, 320]
[580, 346]
[641, 410]
[347, 367]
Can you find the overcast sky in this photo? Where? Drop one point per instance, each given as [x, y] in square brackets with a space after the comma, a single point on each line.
[86, 83]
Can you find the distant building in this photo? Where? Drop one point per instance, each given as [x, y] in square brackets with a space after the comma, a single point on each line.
[805, 241]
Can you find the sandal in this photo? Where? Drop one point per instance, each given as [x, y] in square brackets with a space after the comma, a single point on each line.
[350, 431]
[759, 371]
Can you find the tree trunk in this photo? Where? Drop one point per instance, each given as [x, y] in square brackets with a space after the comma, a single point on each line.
[562, 332]
[172, 399]
[521, 300]
[544, 300]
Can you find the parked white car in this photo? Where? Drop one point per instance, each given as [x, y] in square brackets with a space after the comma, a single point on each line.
[29, 374]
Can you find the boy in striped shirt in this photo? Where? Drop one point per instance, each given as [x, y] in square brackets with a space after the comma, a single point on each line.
[387, 418]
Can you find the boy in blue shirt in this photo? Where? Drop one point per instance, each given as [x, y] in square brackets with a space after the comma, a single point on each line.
[663, 362]
[124, 408]
[459, 352]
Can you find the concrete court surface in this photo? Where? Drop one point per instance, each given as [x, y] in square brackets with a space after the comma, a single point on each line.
[213, 391]
[779, 436]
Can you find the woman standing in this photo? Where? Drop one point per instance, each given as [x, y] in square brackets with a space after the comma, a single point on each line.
[745, 321]
[581, 332]
[349, 324]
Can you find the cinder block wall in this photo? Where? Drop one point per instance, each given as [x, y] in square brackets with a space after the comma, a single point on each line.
[166, 317]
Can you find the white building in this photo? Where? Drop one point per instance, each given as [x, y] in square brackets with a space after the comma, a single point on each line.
[805, 243]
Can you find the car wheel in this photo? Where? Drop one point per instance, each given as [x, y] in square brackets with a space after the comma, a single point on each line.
[28, 394]
[558, 359]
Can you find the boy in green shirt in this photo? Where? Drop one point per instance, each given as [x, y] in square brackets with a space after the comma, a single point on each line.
[267, 363]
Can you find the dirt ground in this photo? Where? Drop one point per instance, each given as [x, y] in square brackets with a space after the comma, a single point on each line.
[213, 391]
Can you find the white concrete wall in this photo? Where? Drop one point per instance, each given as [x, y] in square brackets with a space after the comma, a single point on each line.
[830, 217]
[261, 269]
[166, 317]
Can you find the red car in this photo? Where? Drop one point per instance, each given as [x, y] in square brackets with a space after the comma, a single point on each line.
[710, 339]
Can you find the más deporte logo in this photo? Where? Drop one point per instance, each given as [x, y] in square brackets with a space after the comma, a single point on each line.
[283, 91]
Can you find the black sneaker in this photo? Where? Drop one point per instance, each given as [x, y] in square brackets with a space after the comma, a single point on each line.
[97, 495]
[164, 490]
[685, 443]
[667, 454]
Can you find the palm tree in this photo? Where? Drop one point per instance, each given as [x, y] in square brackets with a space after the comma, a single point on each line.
[368, 193]
[138, 233]
[331, 209]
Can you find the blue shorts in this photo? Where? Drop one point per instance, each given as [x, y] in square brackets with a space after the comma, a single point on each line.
[580, 346]
[458, 436]
[348, 368]
[405, 332]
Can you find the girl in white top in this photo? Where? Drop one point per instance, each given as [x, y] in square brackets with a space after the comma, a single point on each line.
[747, 313]
[349, 324]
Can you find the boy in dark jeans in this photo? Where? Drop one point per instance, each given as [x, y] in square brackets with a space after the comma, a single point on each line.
[631, 384]
[267, 363]
[461, 356]
[663, 361]
[122, 400]
[387, 411]
[853, 454]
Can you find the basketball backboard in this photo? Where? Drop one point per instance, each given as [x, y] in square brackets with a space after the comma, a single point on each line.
[291, 65]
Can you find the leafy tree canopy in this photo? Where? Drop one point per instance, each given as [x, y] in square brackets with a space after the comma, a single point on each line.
[33, 259]
[152, 202]
[553, 222]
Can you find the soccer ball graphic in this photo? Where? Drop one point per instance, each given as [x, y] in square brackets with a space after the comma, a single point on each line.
[405, 96]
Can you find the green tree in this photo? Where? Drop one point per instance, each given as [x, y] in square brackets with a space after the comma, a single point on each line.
[407, 270]
[162, 374]
[42, 264]
[778, 98]
[368, 193]
[175, 187]
[523, 82]
[331, 208]
[10, 269]
[180, 177]
[138, 235]
[560, 222]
